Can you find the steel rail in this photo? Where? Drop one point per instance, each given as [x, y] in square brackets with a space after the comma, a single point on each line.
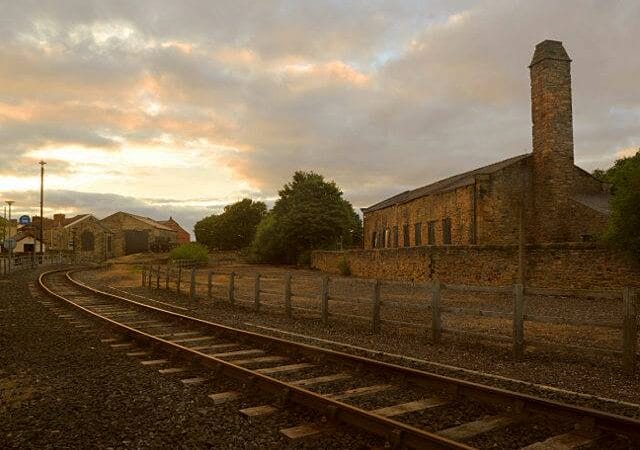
[394, 431]
[597, 419]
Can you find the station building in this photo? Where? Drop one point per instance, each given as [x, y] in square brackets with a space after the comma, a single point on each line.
[136, 234]
[557, 200]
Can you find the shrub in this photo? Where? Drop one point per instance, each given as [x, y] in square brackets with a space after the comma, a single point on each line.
[344, 267]
[193, 252]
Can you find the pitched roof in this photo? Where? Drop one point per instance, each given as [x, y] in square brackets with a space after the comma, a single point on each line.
[171, 223]
[598, 202]
[446, 184]
[149, 221]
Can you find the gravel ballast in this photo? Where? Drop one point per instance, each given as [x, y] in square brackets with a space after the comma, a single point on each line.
[602, 377]
[61, 387]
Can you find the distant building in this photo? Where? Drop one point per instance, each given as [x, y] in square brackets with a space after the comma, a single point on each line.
[84, 235]
[560, 201]
[136, 234]
[26, 242]
[183, 235]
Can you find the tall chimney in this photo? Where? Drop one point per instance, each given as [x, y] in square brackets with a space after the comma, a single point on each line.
[551, 114]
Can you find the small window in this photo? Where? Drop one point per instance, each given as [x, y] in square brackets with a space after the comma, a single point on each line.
[374, 237]
[395, 236]
[418, 228]
[431, 232]
[387, 237]
[383, 235]
[87, 241]
[405, 235]
[446, 231]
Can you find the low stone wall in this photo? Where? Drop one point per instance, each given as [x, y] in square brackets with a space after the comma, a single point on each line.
[577, 266]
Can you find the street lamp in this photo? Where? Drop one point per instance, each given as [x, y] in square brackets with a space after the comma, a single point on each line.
[10, 202]
[42, 163]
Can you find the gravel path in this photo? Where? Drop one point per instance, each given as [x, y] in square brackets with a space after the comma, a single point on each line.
[61, 387]
[602, 377]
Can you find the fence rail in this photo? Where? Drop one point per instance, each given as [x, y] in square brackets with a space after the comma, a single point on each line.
[428, 305]
[14, 263]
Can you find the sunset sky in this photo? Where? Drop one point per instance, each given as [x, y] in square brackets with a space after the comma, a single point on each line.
[179, 107]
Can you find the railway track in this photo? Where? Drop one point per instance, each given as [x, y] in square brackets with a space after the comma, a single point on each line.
[404, 406]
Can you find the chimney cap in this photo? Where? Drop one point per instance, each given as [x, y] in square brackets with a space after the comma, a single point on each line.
[549, 49]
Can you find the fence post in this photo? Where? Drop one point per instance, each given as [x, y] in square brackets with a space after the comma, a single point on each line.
[144, 274]
[149, 275]
[630, 331]
[192, 283]
[179, 279]
[375, 319]
[518, 322]
[257, 292]
[324, 299]
[287, 295]
[436, 318]
[167, 278]
[158, 277]
[209, 280]
[232, 287]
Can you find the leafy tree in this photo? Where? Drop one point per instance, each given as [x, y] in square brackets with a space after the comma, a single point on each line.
[234, 228]
[309, 214]
[4, 228]
[624, 224]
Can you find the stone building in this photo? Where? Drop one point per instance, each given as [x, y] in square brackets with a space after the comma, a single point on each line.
[182, 236]
[557, 201]
[135, 234]
[83, 235]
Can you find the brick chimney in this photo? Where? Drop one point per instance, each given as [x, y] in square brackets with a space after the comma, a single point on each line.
[552, 118]
[58, 219]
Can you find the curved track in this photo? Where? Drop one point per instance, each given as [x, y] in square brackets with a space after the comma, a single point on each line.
[407, 407]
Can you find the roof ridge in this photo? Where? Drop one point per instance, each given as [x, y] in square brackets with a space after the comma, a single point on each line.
[444, 183]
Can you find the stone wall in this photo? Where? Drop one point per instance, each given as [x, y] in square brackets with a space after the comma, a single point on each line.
[579, 266]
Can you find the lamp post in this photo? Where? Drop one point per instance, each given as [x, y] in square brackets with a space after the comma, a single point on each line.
[10, 202]
[42, 163]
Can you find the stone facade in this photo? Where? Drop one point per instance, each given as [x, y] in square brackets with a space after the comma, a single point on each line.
[84, 236]
[158, 237]
[559, 201]
[562, 266]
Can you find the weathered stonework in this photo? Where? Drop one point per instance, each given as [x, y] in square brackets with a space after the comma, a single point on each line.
[578, 266]
[560, 201]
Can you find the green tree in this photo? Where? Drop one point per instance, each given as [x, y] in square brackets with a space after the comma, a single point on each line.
[234, 228]
[624, 223]
[309, 214]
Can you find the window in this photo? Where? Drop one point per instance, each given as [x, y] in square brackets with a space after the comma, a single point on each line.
[418, 239]
[446, 231]
[405, 235]
[109, 242]
[86, 241]
[395, 236]
[387, 234]
[431, 232]
[374, 236]
[383, 244]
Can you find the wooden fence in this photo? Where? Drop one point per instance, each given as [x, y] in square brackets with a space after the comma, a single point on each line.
[430, 305]
[9, 264]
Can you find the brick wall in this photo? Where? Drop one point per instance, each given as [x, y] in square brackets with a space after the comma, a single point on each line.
[580, 266]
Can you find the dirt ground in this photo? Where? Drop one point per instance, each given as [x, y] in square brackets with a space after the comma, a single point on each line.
[405, 307]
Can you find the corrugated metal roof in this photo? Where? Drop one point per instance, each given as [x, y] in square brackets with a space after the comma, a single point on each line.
[446, 184]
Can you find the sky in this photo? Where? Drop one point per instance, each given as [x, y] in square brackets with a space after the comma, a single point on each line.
[167, 108]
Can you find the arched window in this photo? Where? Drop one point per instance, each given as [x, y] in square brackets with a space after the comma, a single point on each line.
[86, 241]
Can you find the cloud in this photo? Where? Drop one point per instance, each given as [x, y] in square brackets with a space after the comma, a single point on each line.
[200, 100]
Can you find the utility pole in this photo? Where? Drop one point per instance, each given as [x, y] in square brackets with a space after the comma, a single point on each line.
[42, 163]
[10, 202]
